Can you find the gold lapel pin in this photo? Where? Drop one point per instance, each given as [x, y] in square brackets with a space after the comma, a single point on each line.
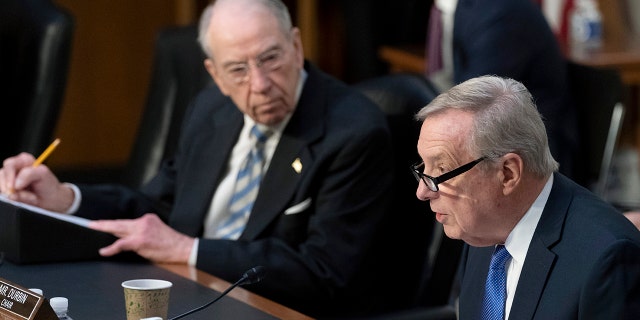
[297, 165]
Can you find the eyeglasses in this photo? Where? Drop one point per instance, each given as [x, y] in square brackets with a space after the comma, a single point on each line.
[239, 73]
[432, 182]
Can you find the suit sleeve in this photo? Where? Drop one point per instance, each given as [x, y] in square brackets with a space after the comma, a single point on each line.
[496, 43]
[613, 288]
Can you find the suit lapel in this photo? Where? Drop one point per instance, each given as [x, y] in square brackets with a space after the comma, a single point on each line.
[204, 170]
[278, 186]
[540, 257]
[538, 264]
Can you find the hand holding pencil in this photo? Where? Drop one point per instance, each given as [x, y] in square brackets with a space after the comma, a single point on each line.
[43, 156]
[24, 179]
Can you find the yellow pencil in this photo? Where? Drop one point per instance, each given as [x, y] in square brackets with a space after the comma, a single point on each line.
[46, 152]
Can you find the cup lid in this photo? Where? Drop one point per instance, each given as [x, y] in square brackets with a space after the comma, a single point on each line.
[146, 284]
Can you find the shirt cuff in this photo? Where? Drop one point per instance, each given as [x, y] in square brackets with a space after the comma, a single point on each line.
[77, 198]
[193, 257]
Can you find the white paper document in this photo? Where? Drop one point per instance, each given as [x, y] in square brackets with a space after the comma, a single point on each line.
[60, 216]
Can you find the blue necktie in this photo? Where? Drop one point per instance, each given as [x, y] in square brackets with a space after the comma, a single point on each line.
[246, 189]
[495, 294]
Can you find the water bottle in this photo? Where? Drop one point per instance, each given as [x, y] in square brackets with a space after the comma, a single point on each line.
[586, 24]
[36, 291]
[60, 306]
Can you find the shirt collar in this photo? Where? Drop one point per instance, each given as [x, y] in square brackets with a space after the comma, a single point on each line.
[520, 237]
[446, 6]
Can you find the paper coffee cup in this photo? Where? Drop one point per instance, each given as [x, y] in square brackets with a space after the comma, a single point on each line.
[146, 298]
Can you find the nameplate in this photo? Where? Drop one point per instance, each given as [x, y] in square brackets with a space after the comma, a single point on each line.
[20, 303]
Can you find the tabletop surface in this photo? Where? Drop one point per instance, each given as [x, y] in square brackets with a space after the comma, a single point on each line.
[94, 289]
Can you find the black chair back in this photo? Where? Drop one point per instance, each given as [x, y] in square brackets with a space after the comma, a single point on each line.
[598, 94]
[35, 42]
[178, 75]
[427, 256]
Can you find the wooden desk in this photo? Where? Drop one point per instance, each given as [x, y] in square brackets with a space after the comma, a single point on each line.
[620, 53]
[239, 293]
[409, 58]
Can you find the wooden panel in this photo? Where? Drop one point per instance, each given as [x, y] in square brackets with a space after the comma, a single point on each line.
[408, 58]
[109, 73]
[307, 13]
[186, 11]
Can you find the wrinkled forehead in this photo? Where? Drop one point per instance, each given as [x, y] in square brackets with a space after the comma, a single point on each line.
[448, 131]
[450, 124]
[245, 35]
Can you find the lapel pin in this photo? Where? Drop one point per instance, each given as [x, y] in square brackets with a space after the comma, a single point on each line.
[297, 165]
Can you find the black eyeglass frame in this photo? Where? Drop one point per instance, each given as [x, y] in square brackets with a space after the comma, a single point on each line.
[432, 182]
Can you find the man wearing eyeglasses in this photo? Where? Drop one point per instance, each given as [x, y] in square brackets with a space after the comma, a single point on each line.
[490, 179]
[322, 188]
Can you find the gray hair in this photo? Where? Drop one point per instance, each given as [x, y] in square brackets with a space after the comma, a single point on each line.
[277, 8]
[505, 120]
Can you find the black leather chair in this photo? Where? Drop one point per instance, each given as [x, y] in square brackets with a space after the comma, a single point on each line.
[598, 93]
[428, 257]
[35, 42]
[177, 76]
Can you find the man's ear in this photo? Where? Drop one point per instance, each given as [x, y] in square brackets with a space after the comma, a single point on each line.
[511, 169]
[213, 72]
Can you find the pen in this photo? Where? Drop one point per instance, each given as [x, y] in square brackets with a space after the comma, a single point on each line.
[46, 152]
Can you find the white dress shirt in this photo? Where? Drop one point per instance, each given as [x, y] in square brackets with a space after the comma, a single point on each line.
[518, 242]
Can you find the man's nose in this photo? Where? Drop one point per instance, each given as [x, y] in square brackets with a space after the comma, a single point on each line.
[259, 79]
[423, 193]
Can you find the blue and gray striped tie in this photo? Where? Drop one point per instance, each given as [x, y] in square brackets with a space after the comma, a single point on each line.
[246, 188]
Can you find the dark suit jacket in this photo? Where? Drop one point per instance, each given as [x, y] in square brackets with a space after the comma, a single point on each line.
[583, 263]
[511, 38]
[317, 260]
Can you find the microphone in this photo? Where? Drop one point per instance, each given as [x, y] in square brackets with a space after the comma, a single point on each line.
[253, 275]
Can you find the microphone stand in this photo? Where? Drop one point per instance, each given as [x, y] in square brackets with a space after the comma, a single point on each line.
[252, 276]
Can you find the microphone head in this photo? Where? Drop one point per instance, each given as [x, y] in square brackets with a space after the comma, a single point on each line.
[253, 275]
